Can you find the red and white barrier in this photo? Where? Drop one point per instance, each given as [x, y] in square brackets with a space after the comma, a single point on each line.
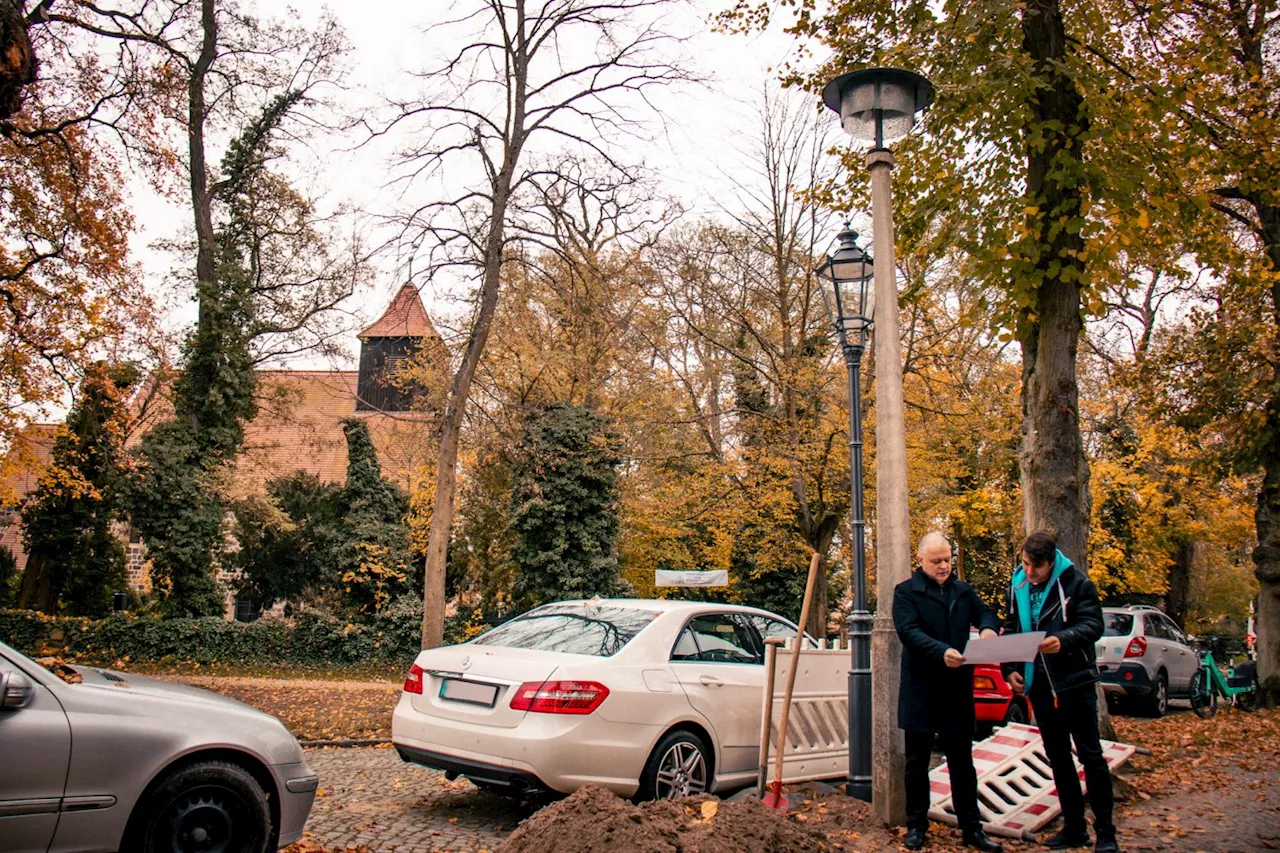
[1016, 794]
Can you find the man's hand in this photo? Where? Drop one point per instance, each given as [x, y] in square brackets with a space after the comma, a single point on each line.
[953, 658]
[1015, 681]
[986, 634]
[1049, 646]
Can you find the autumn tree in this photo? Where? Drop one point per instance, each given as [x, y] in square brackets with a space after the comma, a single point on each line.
[573, 327]
[372, 556]
[74, 559]
[561, 74]
[744, 299]
[963, 422]
[69, 293]
[286, 541]
[261, 275]
[214, 394]
[564, 507]
[1218, 66]
[1037, 169]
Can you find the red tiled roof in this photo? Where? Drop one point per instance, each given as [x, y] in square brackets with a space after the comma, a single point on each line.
[24, 464]
[404, 318]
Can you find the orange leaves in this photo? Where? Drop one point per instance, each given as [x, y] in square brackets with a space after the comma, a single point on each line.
[71, 291]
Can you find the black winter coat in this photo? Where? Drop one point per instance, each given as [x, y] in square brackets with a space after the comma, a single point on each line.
[931, 619]
[1078, 629]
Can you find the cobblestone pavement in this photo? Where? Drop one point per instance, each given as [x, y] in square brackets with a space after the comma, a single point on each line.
[369, 796]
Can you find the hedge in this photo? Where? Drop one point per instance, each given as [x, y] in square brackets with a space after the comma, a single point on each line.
[313, 638]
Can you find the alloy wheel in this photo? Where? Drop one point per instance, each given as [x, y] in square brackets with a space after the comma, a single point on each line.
[682, 772]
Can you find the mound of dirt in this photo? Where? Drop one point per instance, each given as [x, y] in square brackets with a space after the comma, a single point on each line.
[593, 820]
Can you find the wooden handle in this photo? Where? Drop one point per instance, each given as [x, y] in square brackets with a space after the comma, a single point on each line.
[795, 665]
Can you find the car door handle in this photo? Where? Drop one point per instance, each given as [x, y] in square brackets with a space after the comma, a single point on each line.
[710, 681]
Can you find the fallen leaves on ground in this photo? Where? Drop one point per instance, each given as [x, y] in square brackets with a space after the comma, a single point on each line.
[315, 710]
[1188, 752]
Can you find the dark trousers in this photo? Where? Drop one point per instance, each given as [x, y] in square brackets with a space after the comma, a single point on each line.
[1075, 718]
[958, 748]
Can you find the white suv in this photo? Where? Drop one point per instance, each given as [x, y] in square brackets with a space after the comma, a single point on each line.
[1142, 654]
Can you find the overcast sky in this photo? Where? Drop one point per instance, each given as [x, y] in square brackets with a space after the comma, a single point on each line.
[394, 37]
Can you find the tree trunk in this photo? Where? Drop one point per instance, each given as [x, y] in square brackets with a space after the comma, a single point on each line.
[433, 594]
[1175, 600]
[1055, 475]
[1266, 557]
[17, 59]
[201, 198]
[37, 591]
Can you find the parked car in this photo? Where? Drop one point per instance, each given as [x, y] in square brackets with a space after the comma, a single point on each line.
[994, 702]
[1144, 657]
[95, 760]
[649, 699]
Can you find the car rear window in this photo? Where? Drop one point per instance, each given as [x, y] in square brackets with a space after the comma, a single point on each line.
[1117, 624]
[571, 628]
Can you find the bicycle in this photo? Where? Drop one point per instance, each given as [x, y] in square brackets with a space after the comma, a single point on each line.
[1208, 683]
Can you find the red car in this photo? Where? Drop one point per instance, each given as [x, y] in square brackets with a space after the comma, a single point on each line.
[994, 702]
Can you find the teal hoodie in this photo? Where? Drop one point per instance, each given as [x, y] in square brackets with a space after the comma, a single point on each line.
[1020, 589]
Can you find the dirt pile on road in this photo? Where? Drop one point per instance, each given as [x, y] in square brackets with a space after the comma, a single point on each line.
[593, 820]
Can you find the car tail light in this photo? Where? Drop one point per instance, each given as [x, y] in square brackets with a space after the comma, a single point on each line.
[413, 681]
[1137, 647]
[984, 682]
[559, 697]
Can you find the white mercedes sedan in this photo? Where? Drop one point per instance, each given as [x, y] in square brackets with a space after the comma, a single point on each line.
[650, 699]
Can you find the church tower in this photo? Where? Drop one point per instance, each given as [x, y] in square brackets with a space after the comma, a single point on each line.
[385, 347]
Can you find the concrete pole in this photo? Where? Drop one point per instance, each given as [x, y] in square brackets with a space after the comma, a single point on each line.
[892, 529]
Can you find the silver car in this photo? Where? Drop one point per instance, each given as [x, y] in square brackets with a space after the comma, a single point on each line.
[96, 760]
[1145, 657]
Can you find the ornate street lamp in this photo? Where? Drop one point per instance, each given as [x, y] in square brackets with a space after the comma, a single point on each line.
[850, 299]
[879, 105]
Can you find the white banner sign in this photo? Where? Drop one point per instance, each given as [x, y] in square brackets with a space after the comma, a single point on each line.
[667, 577]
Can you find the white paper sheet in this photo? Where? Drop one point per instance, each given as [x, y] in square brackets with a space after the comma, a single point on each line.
[1011, 648]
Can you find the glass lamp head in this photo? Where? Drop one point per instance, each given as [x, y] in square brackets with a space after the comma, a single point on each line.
[878, 105]
[847, 275]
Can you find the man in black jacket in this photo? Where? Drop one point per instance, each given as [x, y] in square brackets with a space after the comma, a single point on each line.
[932, 612]
[1050, 594]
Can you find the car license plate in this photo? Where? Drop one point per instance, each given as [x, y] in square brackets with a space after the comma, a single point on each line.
[472, 692]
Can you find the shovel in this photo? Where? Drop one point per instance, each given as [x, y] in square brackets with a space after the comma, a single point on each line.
[775, 798]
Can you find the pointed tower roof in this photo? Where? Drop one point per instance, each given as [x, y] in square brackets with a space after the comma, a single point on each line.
[404, 318]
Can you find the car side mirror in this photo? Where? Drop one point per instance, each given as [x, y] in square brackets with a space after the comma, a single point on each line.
[15, 690]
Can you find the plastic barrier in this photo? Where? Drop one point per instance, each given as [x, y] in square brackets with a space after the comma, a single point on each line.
[1016, 794]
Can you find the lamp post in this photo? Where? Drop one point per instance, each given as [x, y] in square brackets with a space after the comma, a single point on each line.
[848, 274]
[879, 105]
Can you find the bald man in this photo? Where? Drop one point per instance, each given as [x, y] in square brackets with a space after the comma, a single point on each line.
[932, 612]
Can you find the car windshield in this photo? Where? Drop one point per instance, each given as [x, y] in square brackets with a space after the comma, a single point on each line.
[574, 629]
[1118, 624]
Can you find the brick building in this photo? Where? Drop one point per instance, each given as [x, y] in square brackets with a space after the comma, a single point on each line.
[298, 426]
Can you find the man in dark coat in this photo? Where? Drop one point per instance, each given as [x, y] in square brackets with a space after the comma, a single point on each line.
[933, 611]
[1050, 594]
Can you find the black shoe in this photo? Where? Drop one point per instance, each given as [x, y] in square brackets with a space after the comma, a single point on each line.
[914, 839]
[978, 840]
[1068, 838]
[1106, 844]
